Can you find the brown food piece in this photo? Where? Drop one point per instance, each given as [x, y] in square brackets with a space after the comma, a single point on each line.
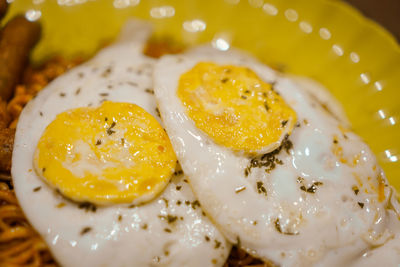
[157, 48]
[17, 39]
[6, 147]
[3, 8]
[239, 258]
[4, 116]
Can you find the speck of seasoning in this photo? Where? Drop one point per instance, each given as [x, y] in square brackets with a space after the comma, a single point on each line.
[246, 171]
[261, 189]
[150, 91]
[278, 227]
[103, 94]
[41, 113]
[185, 180]
[240, 189]
[297, 125]
[87, 206]
[195, 204]
[356, 190]
[109, 86]
[247, 92]
[361, 204]
[36, 189]
[187, 202]
[131, 206]
[106, 72]
[283, 123]
[110, 131]
[287, 144]
[178, 187]
[254, 222]
[158, 112]
[303, 188]
[166, 253]
[243, 97]
[62, 94]
[133, 84]
[98, 142]
[43, 169]
[77, 92]
[119, 217]
[81, 74]
[203, 213]
[167, 230]
[300, 179]
[123, 141]
[266, 106]
[144, 226]
[214, 261]
[345, 136]
[335, 141]
[60, 205]
[105, 119]
[178, 202]
[224, 80]
[207, 238]
[90, 104]
[176, 173]
[171, 218]
[86, 230]
[312, 189]
[165, 201]
[217, 244]
[305, 121]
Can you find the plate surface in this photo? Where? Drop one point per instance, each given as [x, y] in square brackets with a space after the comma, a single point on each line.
[324, 39]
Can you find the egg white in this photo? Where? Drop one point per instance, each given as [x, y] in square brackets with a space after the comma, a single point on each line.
[171, 230]
[285, 224]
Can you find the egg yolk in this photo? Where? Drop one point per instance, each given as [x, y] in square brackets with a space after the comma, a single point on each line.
[115, 153]
[235, 107]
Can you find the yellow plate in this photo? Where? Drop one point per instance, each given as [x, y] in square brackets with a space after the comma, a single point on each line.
[323, 39]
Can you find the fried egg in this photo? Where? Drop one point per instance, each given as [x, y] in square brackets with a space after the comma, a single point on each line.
[95, 172]
[277, 169]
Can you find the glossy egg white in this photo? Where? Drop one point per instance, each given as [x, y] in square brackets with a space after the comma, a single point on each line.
[170, 230]
[306, 211]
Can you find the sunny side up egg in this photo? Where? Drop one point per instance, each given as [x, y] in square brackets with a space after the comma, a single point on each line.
[95, 172]
[318, 197]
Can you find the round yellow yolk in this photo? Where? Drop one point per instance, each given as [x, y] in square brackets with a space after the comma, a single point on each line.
[116, 153]
[235, 107]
